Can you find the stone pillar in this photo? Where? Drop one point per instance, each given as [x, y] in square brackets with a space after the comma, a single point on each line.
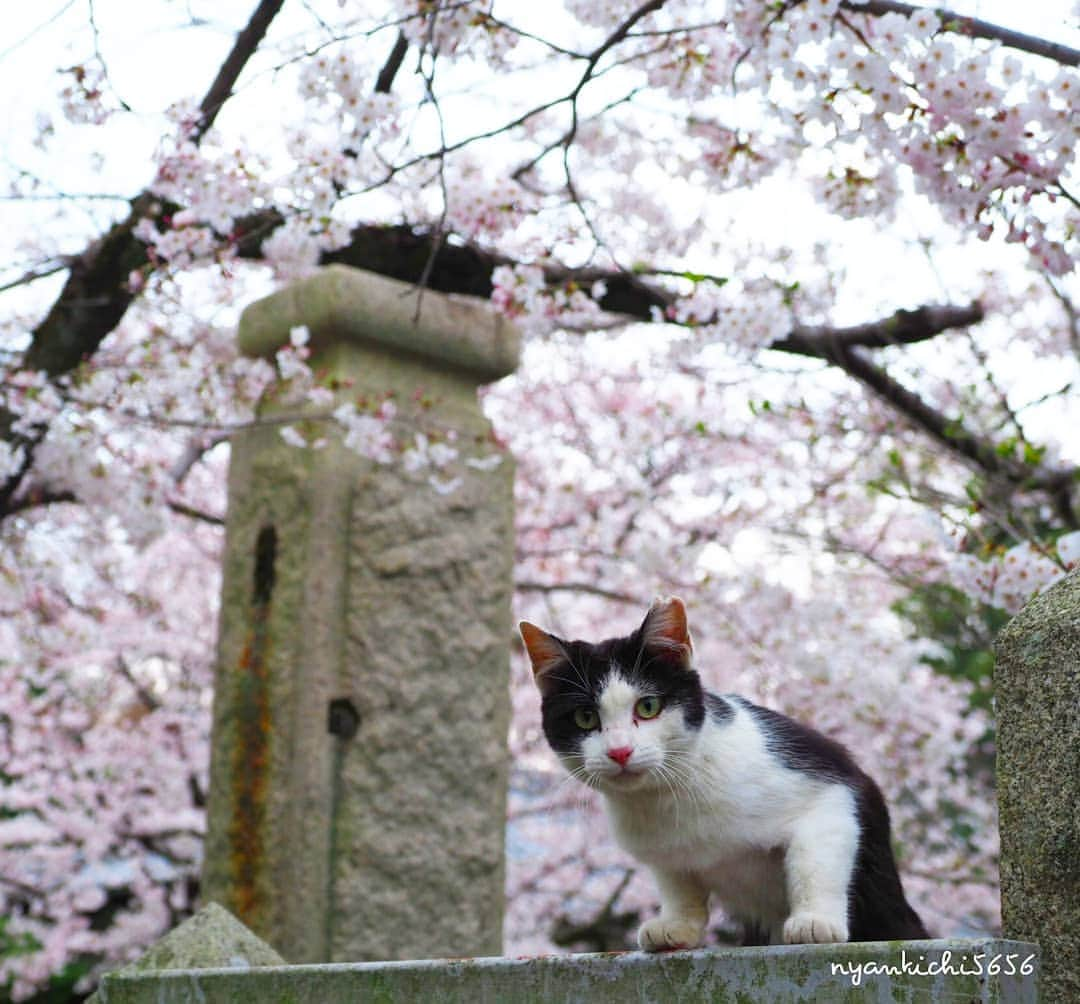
[359, 764]
[1037, 681]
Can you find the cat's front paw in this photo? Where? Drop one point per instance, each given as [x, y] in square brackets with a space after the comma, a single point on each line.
[814, 929]
[660, 935]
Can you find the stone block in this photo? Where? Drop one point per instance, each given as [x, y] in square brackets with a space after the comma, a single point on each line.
[979, 971]
[340, 304]
[212, 939]
[1037, 695]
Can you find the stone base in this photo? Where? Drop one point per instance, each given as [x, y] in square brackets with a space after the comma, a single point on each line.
[213, 937]
[981, 970]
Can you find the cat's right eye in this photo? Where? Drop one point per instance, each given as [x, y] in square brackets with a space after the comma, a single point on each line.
[586, 719]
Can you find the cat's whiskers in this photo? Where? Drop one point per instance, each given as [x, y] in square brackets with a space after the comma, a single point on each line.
[707, 774]
[639, 667]
[580, 673]
[667, 776]
[686, 782]
[576, 777]
[578, 684]
[684, 769]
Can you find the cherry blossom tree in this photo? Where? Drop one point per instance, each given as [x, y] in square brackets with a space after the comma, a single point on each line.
[798, 285]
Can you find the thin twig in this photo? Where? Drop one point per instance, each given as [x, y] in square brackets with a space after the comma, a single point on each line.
[34, 274]
[528, 586]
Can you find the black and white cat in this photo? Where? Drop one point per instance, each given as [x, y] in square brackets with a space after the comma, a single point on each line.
[717, 795]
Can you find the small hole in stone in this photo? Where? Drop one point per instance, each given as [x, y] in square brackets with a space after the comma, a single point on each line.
[265, 558]
[342, 719]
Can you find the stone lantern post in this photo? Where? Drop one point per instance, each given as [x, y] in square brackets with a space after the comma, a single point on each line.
[359, 764]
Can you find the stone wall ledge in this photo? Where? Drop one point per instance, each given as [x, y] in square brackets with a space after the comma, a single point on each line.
[982, 970]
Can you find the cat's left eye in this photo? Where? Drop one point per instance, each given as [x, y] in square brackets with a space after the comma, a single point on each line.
[586, 719]
[648, 707]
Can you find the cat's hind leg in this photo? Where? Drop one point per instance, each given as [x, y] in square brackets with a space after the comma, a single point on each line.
[684, 912]
[818, 866]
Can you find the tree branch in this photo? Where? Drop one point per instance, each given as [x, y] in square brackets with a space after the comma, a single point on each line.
[607, 931]
[34, 499]
[96, 294]
[243, 48]
[182, 509]
[393, 63]
[148, 701]
[974, 28]
[902, 328]
[950, 433]
[96, 297]
[402, 253]
[32, 275]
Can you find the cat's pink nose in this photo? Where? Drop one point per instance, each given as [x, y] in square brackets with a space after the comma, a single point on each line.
[621, 754]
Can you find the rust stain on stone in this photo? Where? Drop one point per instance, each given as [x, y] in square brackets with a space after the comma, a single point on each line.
[250, 771]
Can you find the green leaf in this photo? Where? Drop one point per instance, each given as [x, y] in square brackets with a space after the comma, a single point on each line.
[696, 277]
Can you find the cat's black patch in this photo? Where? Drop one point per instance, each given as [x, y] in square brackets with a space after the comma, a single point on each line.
[579, 679]
[877, 907]
[753, 934]
[719, 709]
[802, 748]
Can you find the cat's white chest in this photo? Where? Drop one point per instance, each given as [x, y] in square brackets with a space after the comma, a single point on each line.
[733, 862]
[668, 834]
[750, 885]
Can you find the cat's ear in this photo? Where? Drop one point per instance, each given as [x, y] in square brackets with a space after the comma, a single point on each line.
[665, 628]
[545, 651]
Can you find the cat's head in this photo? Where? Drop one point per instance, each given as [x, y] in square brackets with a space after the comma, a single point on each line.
[621, 714]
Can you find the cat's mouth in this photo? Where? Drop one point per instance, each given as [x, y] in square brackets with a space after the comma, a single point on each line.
[625, 777]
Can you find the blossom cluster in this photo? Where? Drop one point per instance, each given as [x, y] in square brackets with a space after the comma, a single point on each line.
[736, 158]
[83, 98]
[744, 317]
[377, 430]
[459, 28]
[522, 293]
[1008, 578]
[983, 138]
[480, 206]
[105, 755]
[213, 187]
[339, 86]
[982, 134]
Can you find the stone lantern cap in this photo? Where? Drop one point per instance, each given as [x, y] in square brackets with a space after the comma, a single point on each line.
[344, 304]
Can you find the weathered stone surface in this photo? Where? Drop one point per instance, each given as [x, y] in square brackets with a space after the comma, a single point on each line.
[360, 593]
[1037, 684]
[426, 648]
[981, 971]
[212, 939]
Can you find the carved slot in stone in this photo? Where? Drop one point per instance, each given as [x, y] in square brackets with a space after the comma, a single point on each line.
[265, 558]
[342, 718]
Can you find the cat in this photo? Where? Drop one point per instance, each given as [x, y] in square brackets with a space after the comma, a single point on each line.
[716, 795]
